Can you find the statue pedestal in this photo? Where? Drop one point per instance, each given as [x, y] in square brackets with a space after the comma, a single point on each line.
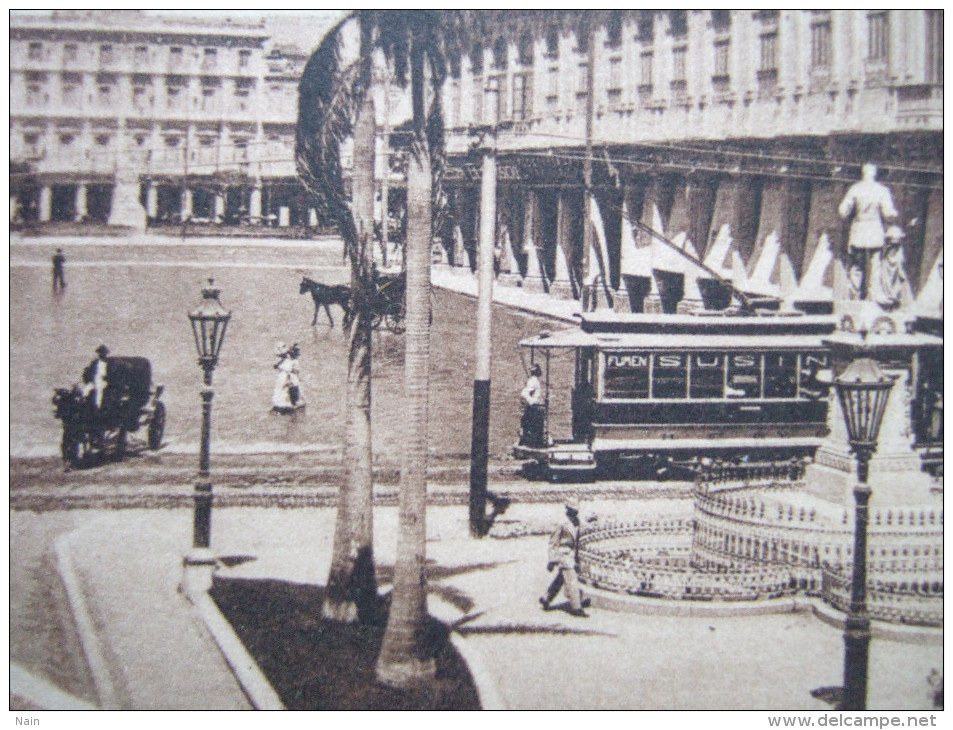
[896, 469]
[126, 210]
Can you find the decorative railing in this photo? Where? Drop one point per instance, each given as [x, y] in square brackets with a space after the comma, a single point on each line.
[743, 544]
[916, 600]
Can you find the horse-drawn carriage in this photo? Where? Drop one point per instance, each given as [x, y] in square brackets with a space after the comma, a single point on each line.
[128, 402]
[387, 305]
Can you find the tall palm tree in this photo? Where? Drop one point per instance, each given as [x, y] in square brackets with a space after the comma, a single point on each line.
[425, 43]
[335, 103]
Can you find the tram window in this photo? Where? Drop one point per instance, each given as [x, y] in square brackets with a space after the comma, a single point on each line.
[929, 402]
[780, 375]
[813, 365]
[670, 375]
[744, 376]
[626, 375]
[708, 375]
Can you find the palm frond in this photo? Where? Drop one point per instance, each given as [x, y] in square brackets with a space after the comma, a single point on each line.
[329, 97]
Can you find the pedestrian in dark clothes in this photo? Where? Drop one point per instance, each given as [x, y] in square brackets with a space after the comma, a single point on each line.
[59, 264]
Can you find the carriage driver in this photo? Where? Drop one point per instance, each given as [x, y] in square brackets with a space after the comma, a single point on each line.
[94, 377]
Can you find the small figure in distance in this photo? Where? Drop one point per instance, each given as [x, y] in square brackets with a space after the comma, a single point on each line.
[534, 411]
[564, 554]
[59, 264]
[287, 397]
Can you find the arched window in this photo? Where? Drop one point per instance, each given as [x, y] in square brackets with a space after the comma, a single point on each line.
[499, 53]
[526, 49]
[476, 59]
[614, 29]
[552, 42]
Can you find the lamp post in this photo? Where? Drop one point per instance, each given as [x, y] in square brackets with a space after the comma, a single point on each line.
[209, 322]
[862, 390]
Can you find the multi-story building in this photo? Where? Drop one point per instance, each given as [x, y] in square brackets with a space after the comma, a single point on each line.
[732, 134]
[200, 115]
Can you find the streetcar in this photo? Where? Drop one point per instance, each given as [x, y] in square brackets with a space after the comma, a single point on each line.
[650, 394]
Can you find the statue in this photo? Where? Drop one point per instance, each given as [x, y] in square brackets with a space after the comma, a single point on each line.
[871, 205]
[888, 284]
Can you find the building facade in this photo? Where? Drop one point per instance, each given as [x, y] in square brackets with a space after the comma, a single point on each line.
[732, 135]
[196, 118]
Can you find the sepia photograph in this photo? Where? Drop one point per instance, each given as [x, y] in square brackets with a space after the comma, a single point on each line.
[457, 360]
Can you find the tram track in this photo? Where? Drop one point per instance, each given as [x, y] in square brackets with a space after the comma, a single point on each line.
[43, 485]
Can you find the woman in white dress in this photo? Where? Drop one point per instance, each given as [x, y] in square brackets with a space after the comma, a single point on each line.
[295, 396]
[280, 398]
[287, 395]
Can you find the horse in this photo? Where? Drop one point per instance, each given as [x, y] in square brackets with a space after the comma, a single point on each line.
[325, 295]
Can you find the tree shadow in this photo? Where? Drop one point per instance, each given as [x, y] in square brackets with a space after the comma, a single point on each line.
[317, 664]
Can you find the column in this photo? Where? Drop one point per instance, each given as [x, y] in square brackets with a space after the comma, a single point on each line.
[46, 203]
[220, 205]
[779, 245]
[533, 281]
[152, 200]
[186, 210]
[654, 214]
[462, 216]
[824, 278]
[254, 203]
[561, 285]
[681, 231]
[635, 262]
[732, 233]
[80, 203]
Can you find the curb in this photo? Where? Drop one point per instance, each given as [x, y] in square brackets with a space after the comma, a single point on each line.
[252, 680]
[484, 680]
[43, 693]
[106, 690]
[905, 633]
[624, 603]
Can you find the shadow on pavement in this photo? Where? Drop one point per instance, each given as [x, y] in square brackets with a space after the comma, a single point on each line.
[315, 664]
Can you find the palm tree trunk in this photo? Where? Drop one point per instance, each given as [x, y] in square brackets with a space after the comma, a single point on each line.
[351, 592]
[405, 657]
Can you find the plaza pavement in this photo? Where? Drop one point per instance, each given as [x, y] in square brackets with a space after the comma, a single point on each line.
[149, 647]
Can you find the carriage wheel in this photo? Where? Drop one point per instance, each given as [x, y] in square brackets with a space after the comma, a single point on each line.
[77, 447]
[157, 427]
[120, 442]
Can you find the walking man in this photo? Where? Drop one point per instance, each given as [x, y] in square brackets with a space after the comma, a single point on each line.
[564, 554]
[59, 263]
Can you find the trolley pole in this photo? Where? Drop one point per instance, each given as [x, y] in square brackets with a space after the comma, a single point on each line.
[479, 445]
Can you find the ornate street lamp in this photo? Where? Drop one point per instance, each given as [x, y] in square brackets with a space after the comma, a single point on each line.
[209, 322]
[863, 391]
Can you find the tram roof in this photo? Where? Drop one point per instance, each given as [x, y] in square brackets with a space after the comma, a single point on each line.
[710, 323]
[573, 338]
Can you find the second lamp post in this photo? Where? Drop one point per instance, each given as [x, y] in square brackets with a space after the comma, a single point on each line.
[209, 322]
[863, 391]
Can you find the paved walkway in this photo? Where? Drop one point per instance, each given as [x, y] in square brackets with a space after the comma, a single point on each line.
[463, 281]
[152, 650]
